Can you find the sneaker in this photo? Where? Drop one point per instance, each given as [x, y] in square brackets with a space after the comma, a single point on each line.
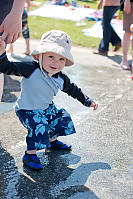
[32, 161]
[60, 145]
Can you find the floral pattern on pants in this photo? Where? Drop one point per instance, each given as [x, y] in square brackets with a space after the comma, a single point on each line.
[42, 124]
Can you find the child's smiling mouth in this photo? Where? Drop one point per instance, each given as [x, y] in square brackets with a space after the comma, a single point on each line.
[53, 68]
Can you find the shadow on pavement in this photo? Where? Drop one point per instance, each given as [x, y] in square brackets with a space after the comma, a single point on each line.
[58, 179]
[117, 59]
[8, 175]
[10, 85]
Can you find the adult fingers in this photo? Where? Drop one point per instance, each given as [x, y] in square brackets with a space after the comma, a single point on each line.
[19, 34]
[15, 37]
[1, 28]
[4, 35]
[9, 39]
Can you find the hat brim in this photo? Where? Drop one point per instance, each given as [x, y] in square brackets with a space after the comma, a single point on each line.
[57, 49]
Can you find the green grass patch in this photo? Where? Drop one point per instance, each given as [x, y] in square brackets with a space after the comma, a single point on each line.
[40, 25]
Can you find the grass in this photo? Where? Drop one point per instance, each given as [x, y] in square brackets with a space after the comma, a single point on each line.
[39, 25]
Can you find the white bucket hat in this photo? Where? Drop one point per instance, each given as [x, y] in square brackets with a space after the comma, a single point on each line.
[55, 41]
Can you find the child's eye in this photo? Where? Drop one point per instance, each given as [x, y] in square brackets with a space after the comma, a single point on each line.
[50, 56]
[62, 59]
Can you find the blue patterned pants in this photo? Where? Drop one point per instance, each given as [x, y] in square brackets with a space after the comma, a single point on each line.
[42, 124]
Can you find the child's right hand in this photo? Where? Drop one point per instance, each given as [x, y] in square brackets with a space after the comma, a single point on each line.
[2, 46]
[94, 105]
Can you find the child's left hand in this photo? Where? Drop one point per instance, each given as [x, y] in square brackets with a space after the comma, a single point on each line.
[94, 105]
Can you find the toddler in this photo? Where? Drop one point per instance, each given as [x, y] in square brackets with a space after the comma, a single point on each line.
[41, 81]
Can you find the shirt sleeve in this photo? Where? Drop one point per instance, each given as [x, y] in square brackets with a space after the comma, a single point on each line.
[24, 69]
[74, 91]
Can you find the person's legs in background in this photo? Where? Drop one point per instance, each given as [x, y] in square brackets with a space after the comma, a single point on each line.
[1, 85]
[109, 35]
[115, 40]
[125, 46]
[132, 42]
[10, 48]
[27, 44]
[127, 21]
[25, 32]
[1, 82]
[132, 56]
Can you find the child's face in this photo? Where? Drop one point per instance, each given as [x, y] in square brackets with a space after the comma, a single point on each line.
[53, 63]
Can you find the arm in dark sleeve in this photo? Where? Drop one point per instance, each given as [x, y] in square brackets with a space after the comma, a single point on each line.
[75, 92]
[16, 68]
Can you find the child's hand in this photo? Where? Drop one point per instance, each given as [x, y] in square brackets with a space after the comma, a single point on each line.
[94, 105]
[2, 46]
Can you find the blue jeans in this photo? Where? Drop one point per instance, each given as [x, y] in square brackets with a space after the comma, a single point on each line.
[109, 35]
[42, 124]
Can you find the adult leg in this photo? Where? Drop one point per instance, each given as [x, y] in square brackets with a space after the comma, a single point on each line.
[127, 21]
[10, 48]
[1, 82]
[26, 32]
[115, 40]
[109, 34]
[125, 46]
[27, 44]
[1, 85]
[132, 42]
[26, 35]
[132, 56]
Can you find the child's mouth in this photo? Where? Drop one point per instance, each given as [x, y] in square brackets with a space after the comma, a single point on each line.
[53, 68]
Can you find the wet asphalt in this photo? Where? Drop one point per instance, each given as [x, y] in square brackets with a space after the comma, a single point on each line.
[100, 165]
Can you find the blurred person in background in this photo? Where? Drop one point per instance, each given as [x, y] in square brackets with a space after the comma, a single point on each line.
[110, 7]
[127, 21]
[25, 29]
[10, 24]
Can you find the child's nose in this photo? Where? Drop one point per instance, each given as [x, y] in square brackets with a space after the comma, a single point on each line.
[56, 61]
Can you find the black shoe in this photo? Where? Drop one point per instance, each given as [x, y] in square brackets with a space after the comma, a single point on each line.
[100, 53]
[32, 161]
[117, 47]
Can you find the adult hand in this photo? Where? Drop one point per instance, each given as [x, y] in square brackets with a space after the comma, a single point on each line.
[99, 6]
[127, 6]
[11, 28]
